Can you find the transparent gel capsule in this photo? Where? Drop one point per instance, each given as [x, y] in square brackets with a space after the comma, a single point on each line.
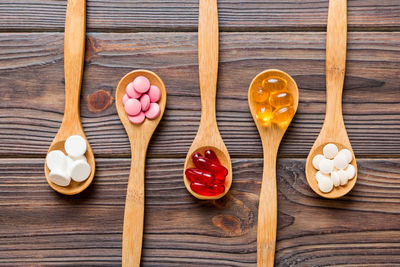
[281, 99]
[274, 83]
[283, 114]
[260, 95]
[264, 113]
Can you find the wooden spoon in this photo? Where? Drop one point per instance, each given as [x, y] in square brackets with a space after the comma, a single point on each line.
[271, 137]
[333, 130]
[208, 136]
[139, 137]
[74, 53]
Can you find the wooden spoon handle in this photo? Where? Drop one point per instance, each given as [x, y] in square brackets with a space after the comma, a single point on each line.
[208, 59]
[335, 58]
[267, 209]
[74, 52]
[134, 208]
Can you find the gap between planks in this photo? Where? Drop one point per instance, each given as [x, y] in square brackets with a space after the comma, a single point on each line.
[194, 30]
[166, 156]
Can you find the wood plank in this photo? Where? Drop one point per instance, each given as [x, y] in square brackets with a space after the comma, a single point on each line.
[40, 226]
[123, 15]
[32, 94]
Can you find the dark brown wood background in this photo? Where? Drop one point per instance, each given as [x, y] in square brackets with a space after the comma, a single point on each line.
[41, 227]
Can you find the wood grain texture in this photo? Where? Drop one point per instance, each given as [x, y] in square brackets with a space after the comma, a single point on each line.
[31, 102]
[39, 225]
[134, 15]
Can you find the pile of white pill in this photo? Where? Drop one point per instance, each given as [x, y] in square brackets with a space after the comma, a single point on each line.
[334, 168]
[74, 166]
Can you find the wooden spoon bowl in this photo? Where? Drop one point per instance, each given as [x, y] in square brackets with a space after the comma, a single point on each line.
[291, 87]
[311, 172]
[224, 160]
[139, 137]
[74, 187]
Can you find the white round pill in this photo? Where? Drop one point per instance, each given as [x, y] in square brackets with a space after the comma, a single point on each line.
[350, 172]
[82, 157]
[335, 178]
[330, 151]
[59, 177]
[56, 159]
[342, 177]
[325, 184]
[320, 176]
[316, 160]
[347, 153]
[75, 145]
[80, 170]
[326, 166]
[340, 161]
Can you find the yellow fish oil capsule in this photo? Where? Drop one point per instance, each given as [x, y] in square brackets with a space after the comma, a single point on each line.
[274, 104]
[260, 95]
[264, 113]
[281, 99]
[273, 84]
[282, 114]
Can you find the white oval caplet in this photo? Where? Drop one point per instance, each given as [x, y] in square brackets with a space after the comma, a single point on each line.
[350, 172]
[335, 178]
[347, 154]
[325, 184]
[340, 161]
[330, 151]
[326, 166]
[316, 160]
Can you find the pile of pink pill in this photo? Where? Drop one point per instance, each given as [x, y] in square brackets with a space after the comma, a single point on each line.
[140, 100]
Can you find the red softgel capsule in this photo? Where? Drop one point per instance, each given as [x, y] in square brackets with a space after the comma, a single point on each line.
[206, 164]
[210, 154]
[205, 190]
[219, 180]
[200, 176]
[217, 189]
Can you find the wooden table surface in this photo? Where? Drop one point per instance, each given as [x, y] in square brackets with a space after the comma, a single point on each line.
[41, 227]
